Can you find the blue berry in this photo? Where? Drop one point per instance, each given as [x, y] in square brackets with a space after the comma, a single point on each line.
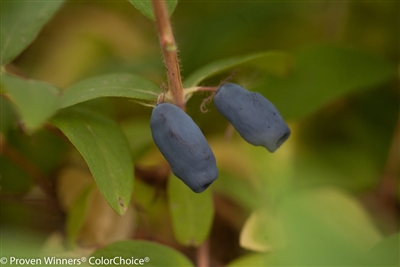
[255, 118]
[184, 146]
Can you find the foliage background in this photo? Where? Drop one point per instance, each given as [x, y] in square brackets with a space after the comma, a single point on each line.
[332, 189]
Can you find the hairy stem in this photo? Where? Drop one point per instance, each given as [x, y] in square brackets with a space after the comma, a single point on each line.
[169, 50]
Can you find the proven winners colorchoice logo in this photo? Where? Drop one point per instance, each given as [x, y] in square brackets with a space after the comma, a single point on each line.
[54, 261]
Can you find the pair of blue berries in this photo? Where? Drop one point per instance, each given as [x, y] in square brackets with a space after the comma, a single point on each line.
[186, 149]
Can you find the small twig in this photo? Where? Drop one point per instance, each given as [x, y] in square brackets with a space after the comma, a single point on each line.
[230, 77]
[203, 107]
[208, 89]
[203, 256]
[169, 50]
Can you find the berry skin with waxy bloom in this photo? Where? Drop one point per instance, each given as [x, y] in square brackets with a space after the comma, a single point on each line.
[255, 118]
[184, 146]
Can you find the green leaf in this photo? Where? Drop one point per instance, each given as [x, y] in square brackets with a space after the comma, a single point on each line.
[274, 171]
[21, 22]
[238, 189]
[236, 178]
[273, 61]
[139, 136]
[110, 85]
[191, 213]
[146, 7]
[354, 136]
[253, 259]
[106, 151]
[386, 252]
[149, 253]
[77, 214]
[325, 227]
[35, 101]
[322, 74]
[262, 232]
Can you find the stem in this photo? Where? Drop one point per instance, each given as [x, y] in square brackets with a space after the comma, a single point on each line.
[169, 50]
[203, 259]
[208, 89]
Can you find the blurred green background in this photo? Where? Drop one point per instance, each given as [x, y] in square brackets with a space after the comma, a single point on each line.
[332, 189]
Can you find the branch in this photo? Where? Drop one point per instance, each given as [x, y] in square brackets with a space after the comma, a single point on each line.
[169, 50]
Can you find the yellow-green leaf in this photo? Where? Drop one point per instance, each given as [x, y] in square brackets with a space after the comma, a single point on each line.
[191, 213]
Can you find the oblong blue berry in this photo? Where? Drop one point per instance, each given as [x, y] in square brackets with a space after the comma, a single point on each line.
[255, 118]
[184, 146]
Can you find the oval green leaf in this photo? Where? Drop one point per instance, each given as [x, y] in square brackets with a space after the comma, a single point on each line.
[146, 7]
[110, 85]
[192, 213]
[21, 22]
[106, 151]
[322, 74]
[325, 227]
[276, 62]
[149, 253]
[35, 101]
